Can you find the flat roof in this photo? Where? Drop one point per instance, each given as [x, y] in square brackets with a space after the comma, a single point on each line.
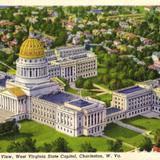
[59, 98]
[130, 90]
[112, 110]
[3, 80]
[80, 103]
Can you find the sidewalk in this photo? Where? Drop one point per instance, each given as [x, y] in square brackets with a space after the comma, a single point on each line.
[113, 139]
[133, 128]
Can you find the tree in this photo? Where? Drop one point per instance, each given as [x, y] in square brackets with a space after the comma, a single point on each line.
[19, 19]
[88, 84]
[9, 127]
[115, 146]
[146, 145]
[46, 148]
[60, 145]
[28, 145]
[87, 147]
[157, 138]
[79, 82]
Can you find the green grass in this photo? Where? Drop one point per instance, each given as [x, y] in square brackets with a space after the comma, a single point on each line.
[150, 124]
[11, 72]
[105, 98]
[44, 134]
[84, 92]
[71, 90]
[90, 93]
[124, 134]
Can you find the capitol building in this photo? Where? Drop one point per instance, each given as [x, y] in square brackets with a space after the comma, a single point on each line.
[32, 95]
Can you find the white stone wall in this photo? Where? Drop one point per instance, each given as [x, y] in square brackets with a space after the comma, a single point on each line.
[69, 67]
[16, 105]
[32, 71]
[132, 101]
[43, 111]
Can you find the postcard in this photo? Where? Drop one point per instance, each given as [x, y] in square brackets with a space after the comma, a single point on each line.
[79, 81]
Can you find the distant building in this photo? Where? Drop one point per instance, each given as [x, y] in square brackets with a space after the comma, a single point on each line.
[156, 56]
[156, 60]
[96, 11]
[136, 100]
[156, 149]
[73, 62]
[155, 66]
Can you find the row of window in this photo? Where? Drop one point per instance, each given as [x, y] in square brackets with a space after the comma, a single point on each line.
[32, 60]
[148, 96]
[139, 111]
[35, 106]
[43, 120]
[116, 118]
[156, 109]
[95, 129]
[64, 129]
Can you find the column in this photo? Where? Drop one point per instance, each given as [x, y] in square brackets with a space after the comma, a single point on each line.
[71, 71]
[68, 71]
[88, 121]
[65, 72]
[95, 118]
[4, 104]
[101, 116]
[17, 109]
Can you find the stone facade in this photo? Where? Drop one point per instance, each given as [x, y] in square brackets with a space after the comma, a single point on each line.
[72, 62]
[68, 118]
[32, 95]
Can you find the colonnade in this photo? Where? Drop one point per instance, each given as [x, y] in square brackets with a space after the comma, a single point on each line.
[13, 105]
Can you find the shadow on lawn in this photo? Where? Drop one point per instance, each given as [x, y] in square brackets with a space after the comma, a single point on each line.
[12, 136]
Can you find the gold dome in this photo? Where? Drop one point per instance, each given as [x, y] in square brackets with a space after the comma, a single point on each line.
[31, 48]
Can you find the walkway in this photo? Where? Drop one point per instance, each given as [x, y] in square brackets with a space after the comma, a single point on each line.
[113, 139]
[151, 115]
[6, 65]
[128, 126]
[102, 89]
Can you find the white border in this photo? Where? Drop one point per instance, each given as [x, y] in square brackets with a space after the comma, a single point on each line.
[79, 2]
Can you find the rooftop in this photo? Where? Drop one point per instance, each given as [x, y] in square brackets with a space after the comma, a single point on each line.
[3, 80]
[111, 110]
[80, 103]
[130, 90]
[59, 98]
[16, 91]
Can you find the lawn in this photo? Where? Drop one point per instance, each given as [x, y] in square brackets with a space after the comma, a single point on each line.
[72, 90]
[124, 134]
[105, 98]
[150, 124]
[11, 72]
[84, 92]
[44, 134]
